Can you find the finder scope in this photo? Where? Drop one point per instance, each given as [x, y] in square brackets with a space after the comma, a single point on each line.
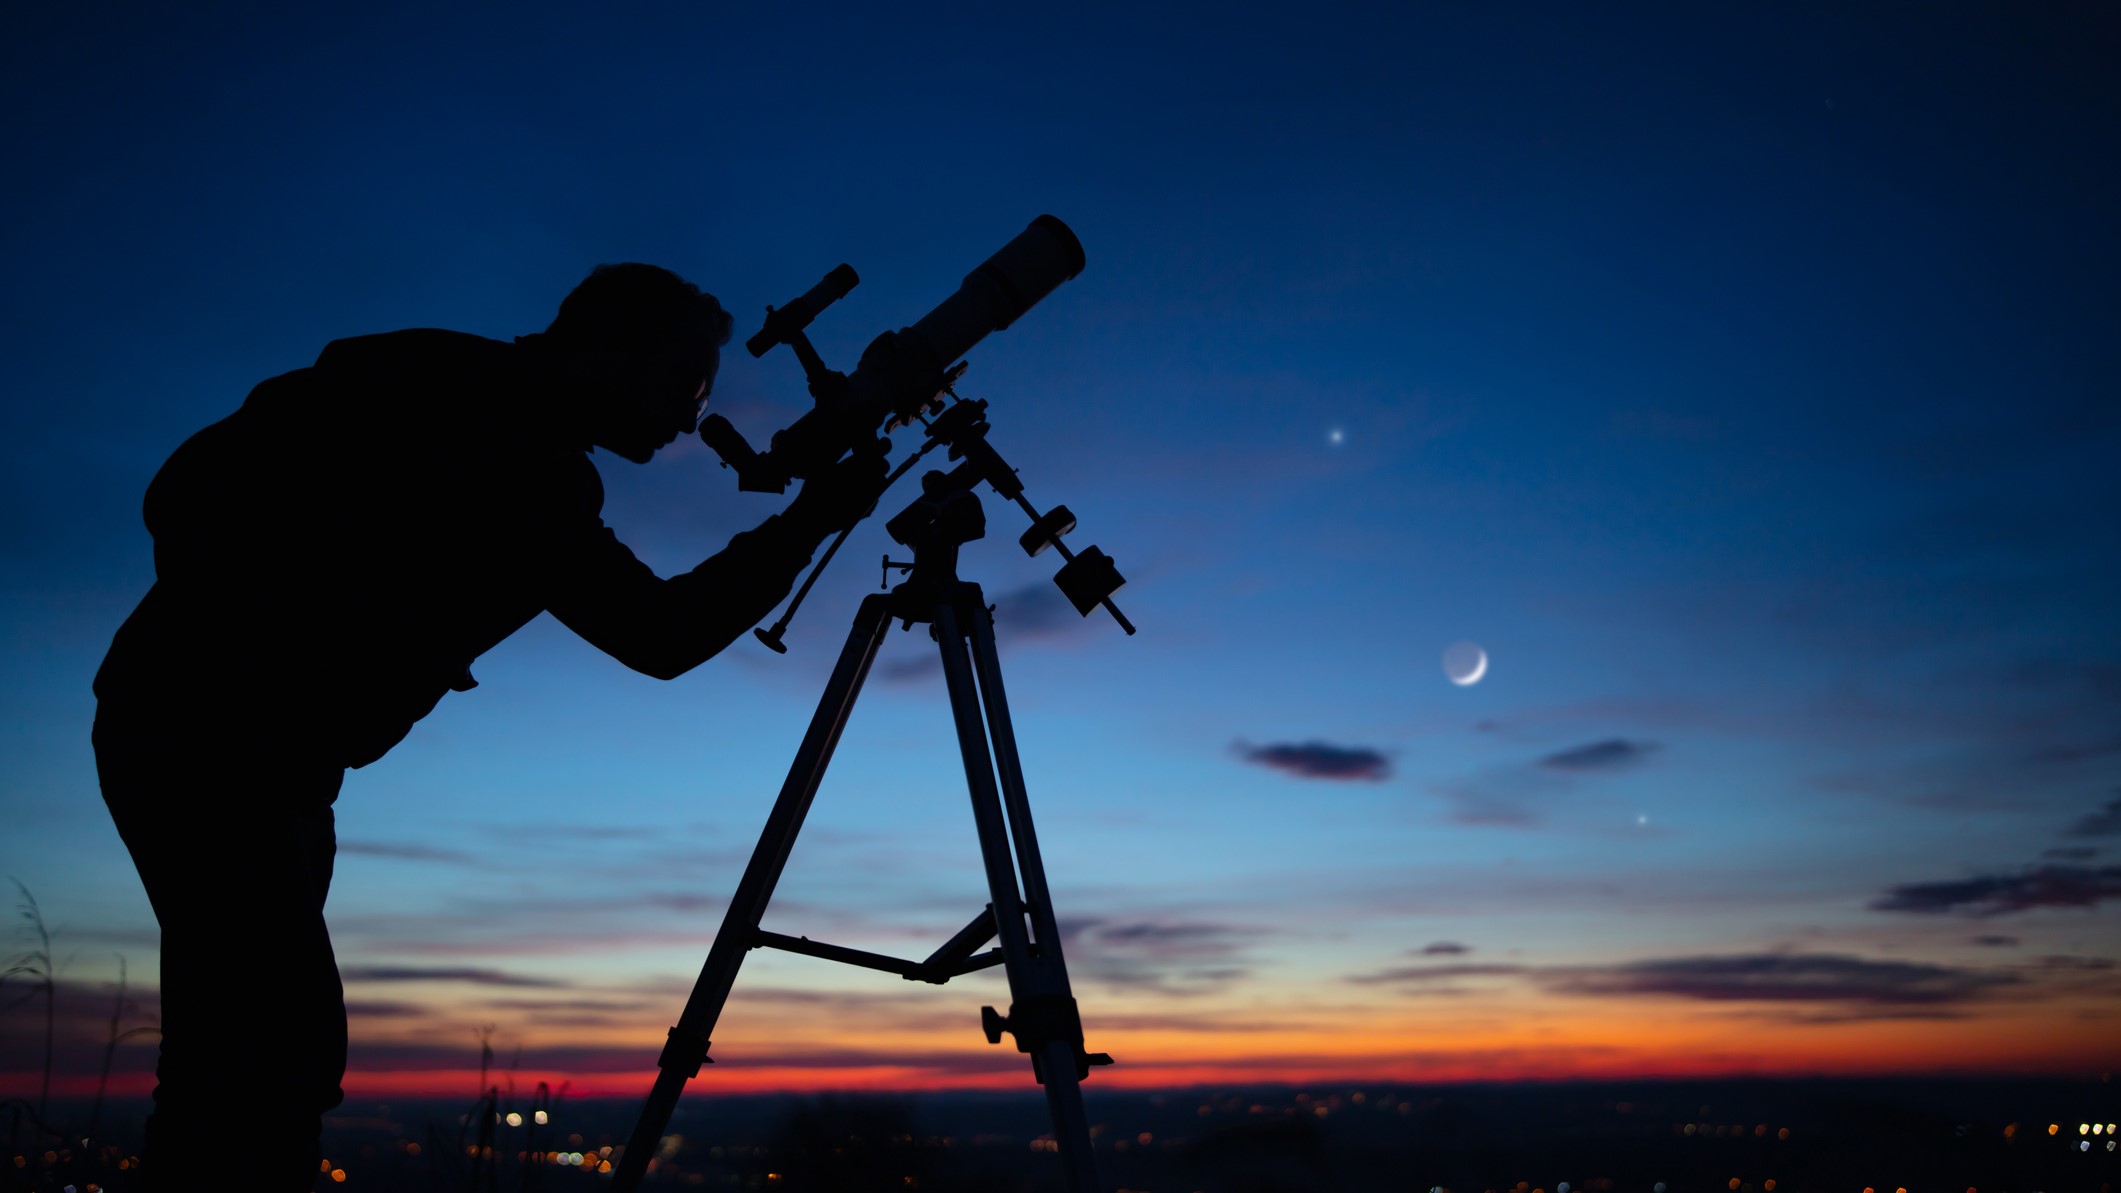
[901, 373]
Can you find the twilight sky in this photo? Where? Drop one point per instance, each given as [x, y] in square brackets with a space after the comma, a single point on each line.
[1743, 381]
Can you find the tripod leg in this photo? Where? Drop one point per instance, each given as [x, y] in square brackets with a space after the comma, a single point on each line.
[1042, 1012]
[686, 1049]
[1015, 800]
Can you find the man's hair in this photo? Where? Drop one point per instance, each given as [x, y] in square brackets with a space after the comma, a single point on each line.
[634, 308]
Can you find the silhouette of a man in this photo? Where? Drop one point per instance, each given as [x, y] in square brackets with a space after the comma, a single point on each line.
[329, 560]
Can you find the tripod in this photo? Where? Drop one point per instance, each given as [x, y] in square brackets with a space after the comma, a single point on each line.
[1042, 1013]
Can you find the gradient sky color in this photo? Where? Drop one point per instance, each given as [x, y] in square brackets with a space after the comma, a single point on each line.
[1742, 379]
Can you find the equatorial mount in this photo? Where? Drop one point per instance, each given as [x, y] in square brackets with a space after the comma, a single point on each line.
[1088, 578]
[947, 515]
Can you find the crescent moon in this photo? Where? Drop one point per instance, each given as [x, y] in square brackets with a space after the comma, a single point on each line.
[1473, 677]
[1456, 668]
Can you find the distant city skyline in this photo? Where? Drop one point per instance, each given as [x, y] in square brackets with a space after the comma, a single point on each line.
[1739, 382]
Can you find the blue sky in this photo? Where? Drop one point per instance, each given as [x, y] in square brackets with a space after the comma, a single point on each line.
[1741, 380]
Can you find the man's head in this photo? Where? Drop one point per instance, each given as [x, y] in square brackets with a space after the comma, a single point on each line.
[638, 347]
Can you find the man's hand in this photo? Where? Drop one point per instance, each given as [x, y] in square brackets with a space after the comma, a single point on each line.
[840, 496]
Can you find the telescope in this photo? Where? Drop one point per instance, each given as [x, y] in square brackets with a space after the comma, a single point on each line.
[902, 374]
[902, 379]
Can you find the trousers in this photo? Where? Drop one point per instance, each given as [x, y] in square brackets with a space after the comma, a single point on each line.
[234, 842]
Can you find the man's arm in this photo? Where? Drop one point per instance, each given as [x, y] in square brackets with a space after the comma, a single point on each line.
[664, 628]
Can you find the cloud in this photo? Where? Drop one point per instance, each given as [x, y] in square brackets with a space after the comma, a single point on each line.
[1197, 1022]
[1847, 988]
[575, 832]
[2071, 853]
[2001, 894]
[1444, 948]
[568, 1004]
[2078, 964]
[1035, 612]
[80, 1026]
[1169, 939]
[405, 851]
[1505, 799]
[435, 973]
[1614, 753]
[376, 1009]
[2106, 822]
[1179, 957]
[591, 1059]
[1434, 973]
[1783, 977]
[1319, 760]
[1520, 795]
[1997, 942]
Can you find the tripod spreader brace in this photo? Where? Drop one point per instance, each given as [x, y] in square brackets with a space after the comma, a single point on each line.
[1037, 1020]
[957, 957]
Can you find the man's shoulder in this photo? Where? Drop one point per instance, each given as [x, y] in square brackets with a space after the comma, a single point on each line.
[445, 387]
[415, 349]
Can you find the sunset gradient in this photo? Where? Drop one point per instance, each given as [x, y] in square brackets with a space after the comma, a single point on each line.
[1741, 381]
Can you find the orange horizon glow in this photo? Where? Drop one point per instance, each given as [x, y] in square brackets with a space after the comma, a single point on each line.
[728, 1079]
[783, 1047]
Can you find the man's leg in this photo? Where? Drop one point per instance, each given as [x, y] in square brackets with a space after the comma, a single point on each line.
[236, 854]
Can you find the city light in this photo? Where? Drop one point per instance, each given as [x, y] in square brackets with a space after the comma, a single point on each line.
[1123, 1137]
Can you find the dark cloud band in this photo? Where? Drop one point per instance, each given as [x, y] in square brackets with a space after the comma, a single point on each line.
[1614, 753]
[2001, 894]
[1319, 760]
[437, 973]
[1823, 979]
[2106, 822]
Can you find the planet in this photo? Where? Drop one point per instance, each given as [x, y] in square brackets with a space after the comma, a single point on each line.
[1464, 663]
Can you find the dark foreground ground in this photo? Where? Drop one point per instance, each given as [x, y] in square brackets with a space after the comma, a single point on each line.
[1839, 1136]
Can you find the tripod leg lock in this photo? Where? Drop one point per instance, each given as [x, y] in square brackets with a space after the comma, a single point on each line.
[1039, 1020]
[683, 1051]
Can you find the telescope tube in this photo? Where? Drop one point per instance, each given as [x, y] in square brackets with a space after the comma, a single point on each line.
[902, 371]
[1003, 287]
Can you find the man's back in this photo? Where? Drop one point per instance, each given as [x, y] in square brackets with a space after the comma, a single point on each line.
[329, 561]
[332, 557]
